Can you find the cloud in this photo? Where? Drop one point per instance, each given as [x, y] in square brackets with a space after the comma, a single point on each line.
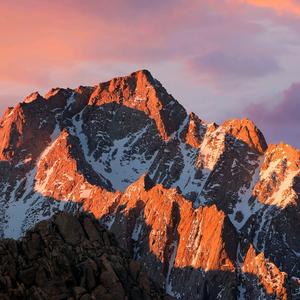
[281, 7]
[249, 46]
[282, 120]
[233, 64]
[38, 36]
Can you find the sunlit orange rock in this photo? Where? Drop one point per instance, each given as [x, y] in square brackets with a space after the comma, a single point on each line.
[185, 197]
[258, 268]
[246, 131]
[142, 92]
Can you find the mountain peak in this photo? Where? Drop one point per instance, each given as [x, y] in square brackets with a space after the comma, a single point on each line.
[246, 131]
[140, 91]
[33, 97]
[178, 192]
[143, 73]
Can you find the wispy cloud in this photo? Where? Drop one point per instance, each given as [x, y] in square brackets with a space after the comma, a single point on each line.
[233, 64]
[282, 120]
[247, 45]
[39, 36]
[281, 7]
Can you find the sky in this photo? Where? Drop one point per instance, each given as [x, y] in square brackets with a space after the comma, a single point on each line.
[221, 59]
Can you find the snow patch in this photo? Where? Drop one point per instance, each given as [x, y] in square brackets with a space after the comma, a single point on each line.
[243, 204]
[70, 101]
[187, 182]
[115, 164]
[17, 208]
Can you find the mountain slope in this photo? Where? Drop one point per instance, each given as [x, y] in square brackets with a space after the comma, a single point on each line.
[71, 257]
[164, 181]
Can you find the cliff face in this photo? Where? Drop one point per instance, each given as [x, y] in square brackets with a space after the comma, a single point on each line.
[70, 257]
[194, 202]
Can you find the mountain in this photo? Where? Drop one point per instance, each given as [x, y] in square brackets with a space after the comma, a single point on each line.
[210, 211]
[93, 265]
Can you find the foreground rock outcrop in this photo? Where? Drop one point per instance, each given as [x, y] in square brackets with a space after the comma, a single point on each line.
[70, 257]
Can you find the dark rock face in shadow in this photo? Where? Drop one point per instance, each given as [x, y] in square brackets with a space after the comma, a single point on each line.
[73, 257]
[70, 257]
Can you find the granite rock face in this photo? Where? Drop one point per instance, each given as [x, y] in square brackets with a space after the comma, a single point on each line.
[70, 257]
[210, 211]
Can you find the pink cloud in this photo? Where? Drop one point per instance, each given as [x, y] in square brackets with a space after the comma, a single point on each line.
[282, 121]
[279, 6]
[234, 64]
[67, 42]
[38, 36]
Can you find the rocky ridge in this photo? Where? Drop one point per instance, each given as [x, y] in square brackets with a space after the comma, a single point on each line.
[70, 257]
[207, 205]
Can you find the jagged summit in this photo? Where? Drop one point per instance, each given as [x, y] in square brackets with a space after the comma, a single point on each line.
[139, 91]
[193, 201]
[246, 131]
[35, 96]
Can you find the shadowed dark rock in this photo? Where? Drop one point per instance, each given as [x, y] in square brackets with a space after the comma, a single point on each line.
[72, 260]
